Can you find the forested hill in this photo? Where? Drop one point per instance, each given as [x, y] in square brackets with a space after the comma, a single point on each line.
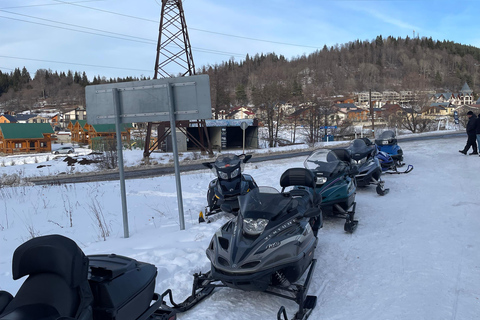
[381, 64]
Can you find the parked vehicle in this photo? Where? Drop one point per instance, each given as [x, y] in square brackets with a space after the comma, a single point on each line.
[390, 154]
[229, 184]
[64, 150]
[335, 183]
[269, 246]
[363, 154]
[65, 284]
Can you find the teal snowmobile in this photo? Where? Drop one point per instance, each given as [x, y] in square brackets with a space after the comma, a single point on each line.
[335, 183]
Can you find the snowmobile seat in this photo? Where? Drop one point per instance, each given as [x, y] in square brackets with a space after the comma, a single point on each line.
[57, 284]
[300, 177]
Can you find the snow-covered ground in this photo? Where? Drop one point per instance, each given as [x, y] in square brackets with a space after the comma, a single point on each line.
[413, 256]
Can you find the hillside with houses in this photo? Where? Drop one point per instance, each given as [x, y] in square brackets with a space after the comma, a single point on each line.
[411, 84]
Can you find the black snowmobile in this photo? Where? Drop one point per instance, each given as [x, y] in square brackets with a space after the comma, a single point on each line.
[363, 154]
[229, 184]
[64, 284]
[335, 183]
[268, 247]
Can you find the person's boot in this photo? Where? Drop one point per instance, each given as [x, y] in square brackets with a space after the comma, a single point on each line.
[462, 151]
[473, 153]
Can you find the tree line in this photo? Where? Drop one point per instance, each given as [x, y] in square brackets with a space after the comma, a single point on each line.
[268, 80]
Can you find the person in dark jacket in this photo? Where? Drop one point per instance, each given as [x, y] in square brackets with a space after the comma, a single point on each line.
[471, 133]
[477, 130]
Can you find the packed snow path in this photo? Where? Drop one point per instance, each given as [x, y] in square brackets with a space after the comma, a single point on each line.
[414, 255]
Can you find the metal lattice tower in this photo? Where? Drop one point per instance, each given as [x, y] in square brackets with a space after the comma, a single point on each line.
[173, 45]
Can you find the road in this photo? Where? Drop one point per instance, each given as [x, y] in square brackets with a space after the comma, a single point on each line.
[160, 171]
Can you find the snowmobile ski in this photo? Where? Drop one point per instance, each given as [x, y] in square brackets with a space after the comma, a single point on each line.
[395, 171]
[200, 290]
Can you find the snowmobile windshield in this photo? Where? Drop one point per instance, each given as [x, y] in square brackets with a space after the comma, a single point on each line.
[387, 135]
[359, 149]
[262, 203]
[226, 161]
[325, 163]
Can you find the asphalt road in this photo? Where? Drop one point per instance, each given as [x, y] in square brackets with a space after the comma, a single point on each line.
[160, 171]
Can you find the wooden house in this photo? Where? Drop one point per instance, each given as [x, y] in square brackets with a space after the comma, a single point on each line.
[106, 132]
[25, 137]
[78, 131]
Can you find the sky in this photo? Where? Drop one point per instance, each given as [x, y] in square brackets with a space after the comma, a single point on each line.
[119, 38]
[414, 254]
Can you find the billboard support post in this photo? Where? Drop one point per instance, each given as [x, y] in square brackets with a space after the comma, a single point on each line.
[171, 101]
[118, 123]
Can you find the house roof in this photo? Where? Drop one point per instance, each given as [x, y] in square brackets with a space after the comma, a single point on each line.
[466, 89]
[25, 130]
[9, 118]
[110, 127]
[345, 105]
[446, 95]
[24, 116]
[80, 122]
[440, 104]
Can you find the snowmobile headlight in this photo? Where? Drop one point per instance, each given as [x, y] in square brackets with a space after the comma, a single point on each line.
[359, 162]
[235, 173]
[321, 180]
[222, 175]
[254, 226]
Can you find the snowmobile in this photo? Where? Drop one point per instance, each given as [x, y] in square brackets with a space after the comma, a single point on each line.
[335, 183]
[363, 154]
[229, 184]
[390, 154]
[387, 142]
[64, 284]
[267, 247]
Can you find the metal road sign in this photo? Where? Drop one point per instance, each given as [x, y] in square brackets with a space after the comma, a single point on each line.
[148, 100]
[182, 98]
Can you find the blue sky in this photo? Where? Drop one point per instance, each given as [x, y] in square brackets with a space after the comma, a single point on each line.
[117, 38]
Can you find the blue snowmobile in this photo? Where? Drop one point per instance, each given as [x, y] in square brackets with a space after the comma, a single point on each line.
[389, 153]
[335, 183]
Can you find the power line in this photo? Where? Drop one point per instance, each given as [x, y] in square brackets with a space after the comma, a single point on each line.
[71, 63]
[47, 4]
[190, 28]
[113, 35]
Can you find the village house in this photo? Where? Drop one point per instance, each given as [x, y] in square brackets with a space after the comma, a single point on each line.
[241, 113]
[438, 110]
[357, 115]
[463, 97]
[24, 118]
[71, 114]
[6, 118]
[25, 137]
[78, 131]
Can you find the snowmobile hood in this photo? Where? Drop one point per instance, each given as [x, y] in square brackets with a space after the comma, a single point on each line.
[284, 239]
